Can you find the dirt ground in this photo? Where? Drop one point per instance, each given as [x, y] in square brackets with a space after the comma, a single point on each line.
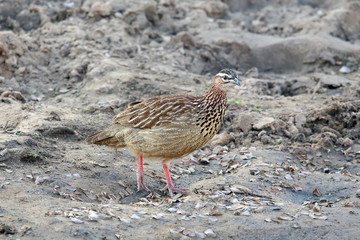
[284, 165]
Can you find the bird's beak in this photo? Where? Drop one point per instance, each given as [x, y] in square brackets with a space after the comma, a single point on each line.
[236, 81]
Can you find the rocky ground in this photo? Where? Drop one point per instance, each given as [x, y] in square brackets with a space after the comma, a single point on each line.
[285, 164]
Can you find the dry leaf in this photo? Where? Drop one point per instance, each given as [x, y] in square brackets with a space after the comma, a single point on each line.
[316, 192]
[349, 204]
[285, 218]
[297, 187]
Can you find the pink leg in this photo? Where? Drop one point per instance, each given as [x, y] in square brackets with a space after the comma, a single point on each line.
[140, 179]
[170, 185]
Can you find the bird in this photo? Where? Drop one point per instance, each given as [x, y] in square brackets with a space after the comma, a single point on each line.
[168, 127]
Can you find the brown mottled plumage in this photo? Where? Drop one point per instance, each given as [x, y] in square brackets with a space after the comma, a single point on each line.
[168, 127]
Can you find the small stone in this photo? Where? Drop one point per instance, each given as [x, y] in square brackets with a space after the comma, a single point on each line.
[245, 213]
[358, 193]
[93, 216]
[259, 210]
[76, 220]
[200, 235]
[158, 216]
[124, 220]
[99, 9]
[344, 69]
[222, 139]
[209, 232]
[214, 9]
[213, 220]
[254, 171]
[178, 230]
[189, 233]
[185, 39]
[77, 175]
[7, 229]
[185, 218]
[348, 142]
[288, 177]
[263, 123]
[240, 189]
[300, 120]
[204, 160]
[134, 216]
[151, 14]
[14, 95]
[245, 122]
[252, 72]
[296, 226]
[172, 210]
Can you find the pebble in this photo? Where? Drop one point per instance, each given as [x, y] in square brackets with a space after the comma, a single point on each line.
[158, 216]
[288, 177]
[344, 69]
[213, 220]
[99, 9]
[296, 226]
[93, 216]
[189, 233]
[172, 210]
[124, 220]
[214, 10]
[245, 122]
[134, 216]
[76, 220]
[185, 218]
[209, 232]
[249, 156]
[77, 175]
[69, 4]
[181, 212]
[348, 142]
[200, 235]
[259, 209]
[358, 193]
[254, 171]
[240, 189]
[245, 213]
[222, 139]
[263, 123]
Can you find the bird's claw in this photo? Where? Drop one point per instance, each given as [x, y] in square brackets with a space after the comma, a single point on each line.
[172, 189]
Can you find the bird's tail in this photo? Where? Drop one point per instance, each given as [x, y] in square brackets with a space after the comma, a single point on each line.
[108, 137]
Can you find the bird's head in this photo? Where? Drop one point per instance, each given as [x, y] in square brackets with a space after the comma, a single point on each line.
[226, 76]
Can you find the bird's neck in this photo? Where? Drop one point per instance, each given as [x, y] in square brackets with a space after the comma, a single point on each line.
[215, 96]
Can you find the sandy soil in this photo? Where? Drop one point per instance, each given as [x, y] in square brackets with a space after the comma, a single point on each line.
[285, 164]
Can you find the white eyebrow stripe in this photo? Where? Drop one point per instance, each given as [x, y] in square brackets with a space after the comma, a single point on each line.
[223, 75]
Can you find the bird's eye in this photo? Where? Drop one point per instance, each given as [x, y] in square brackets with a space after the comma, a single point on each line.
[226, 78]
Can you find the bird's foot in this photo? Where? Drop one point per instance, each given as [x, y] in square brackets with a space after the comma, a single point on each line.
[140, 179]
[141, 184]
[173, 189]
[170, 185]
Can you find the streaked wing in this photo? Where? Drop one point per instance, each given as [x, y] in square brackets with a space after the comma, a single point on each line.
[160, 111]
